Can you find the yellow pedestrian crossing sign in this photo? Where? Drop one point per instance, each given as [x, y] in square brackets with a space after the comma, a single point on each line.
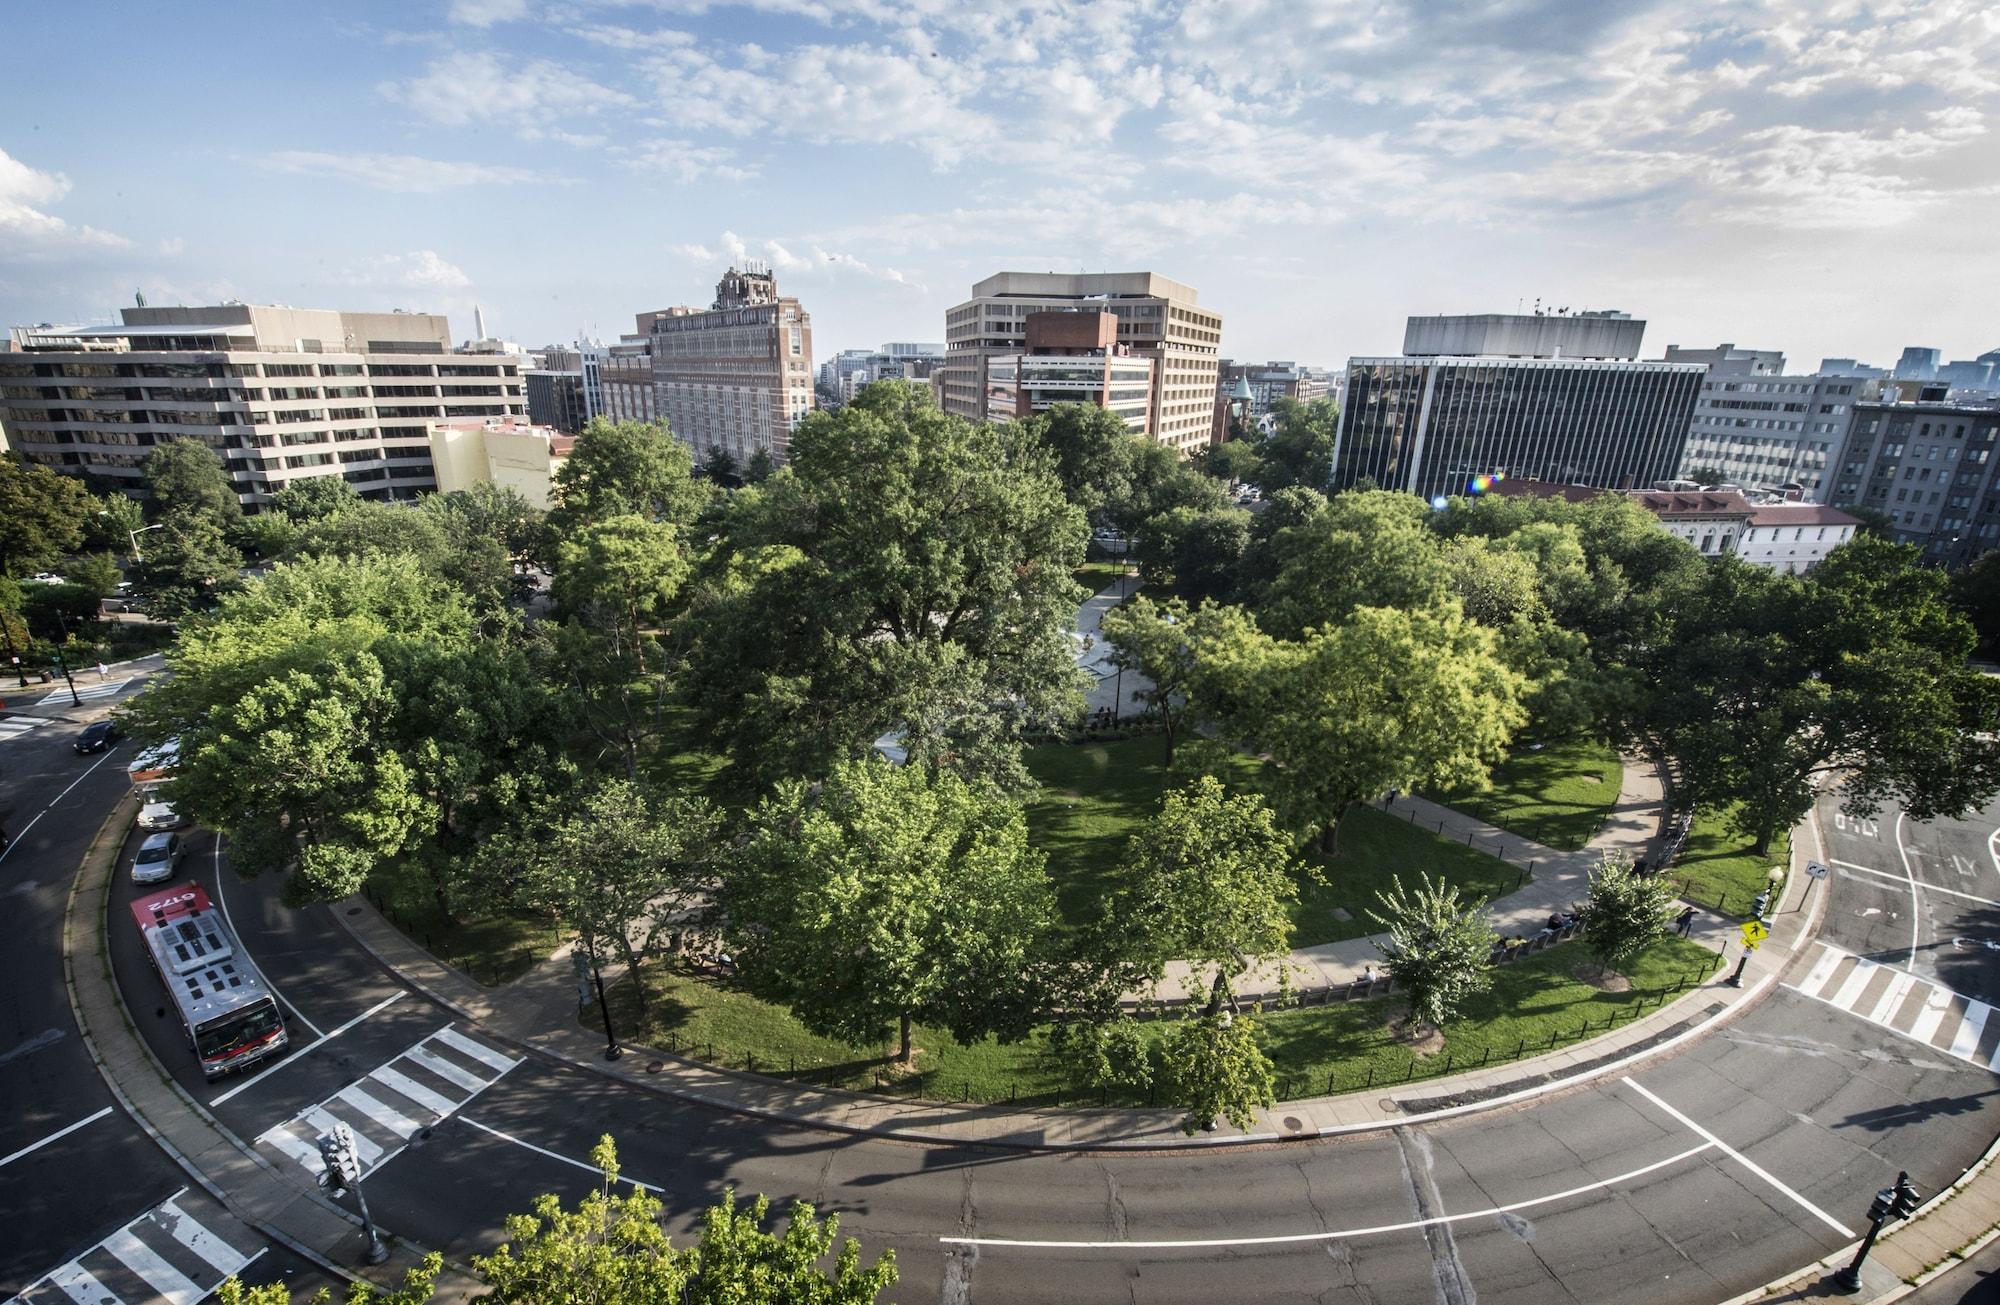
[1754, 932]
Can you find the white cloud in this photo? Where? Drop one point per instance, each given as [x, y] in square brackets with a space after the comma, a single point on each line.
[408, 173]
[421, 269]
[466, 89]
[684, 161]
[732, 249]
[485, 13]
[25, 195]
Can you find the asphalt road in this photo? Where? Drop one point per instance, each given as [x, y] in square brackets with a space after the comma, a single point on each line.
[1687, 1179]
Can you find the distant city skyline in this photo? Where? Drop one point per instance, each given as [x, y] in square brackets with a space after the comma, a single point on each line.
[1763, 174]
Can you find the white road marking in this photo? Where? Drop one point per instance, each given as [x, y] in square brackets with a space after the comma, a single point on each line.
[1936, 1006]
[59, 1133]
[294, 1146]
[387, 1116]
[485, 1055]
[1891, 999]
[20, 835]
[80, 1285]
[323, 1121]
[224, 903]
[293, 1059]
[445, 1070]
[1969, 1029]
[1339, 1234]
[171, 1283]
[1932, 888]
[217, 1253]
[406, 1086]
[13, 727]
[1857, 981]
[553, 1155]
[1821, 972]
[1916, 905]
[1741, 1159]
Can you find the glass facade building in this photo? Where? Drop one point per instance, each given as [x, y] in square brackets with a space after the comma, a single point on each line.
[1427, 425]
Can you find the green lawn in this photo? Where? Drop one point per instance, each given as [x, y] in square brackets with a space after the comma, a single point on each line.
[1717, 865]
[1095, 795]
[1099, 573]
[1314, 1049]
[1557, 796]
[492, 949]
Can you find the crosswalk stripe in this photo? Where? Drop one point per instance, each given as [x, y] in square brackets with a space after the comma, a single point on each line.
[403, 1085]
[393, 1120]
[1969, 1029]
[478, 1051]
[298, 1148]
[215, 1252]
[444, 1069]
[1857, 980]
[81, 1286]
[1892, 998]
[1829, 961]
[322, 1122]
[173, 1285]
[1936, 1005]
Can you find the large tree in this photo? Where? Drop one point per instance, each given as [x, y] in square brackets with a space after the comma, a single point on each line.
[1217, 1070]
[1194, 552]
[43, 515]
[1299, 448]
[1976, 593]
[614, 581]
[188, 564]
[1092, 448]
[625, 468]
[908, 571]
[891, 895]
[1386, 699]
[314, 497]
[187, 476]
[1364, 548]
[322, 728]
[1854, 677]
[1627, 911]
[1158, 641]
[1207, 880]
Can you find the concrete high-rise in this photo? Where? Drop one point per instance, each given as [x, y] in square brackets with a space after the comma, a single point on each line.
[1931, 466]
[736, 375]
[1071, 357]
[1757, 428]
[1158, 319]
[281, 394]
[1551, 396]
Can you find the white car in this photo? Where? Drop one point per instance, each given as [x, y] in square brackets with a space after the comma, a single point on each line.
[159, 856]
[160, 815]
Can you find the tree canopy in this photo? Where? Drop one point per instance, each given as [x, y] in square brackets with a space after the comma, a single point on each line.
[42, 516]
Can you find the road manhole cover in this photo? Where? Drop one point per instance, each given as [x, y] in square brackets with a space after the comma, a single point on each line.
[1292, 1123]
[654, 1067]
[354, 910]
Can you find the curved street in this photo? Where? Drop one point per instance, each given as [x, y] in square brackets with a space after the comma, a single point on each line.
[1695, 1174]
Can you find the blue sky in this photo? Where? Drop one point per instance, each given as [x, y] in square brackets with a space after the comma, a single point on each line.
[1818, 177]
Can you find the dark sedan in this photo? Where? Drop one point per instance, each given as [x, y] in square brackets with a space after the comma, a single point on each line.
[97, 736]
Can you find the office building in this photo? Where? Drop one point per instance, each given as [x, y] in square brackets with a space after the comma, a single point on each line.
[281, 394]
[1917, 364]
[1849, 367]
[559, 389]
[1928, 464]
[900, 360]
[1554, 397]
[1071, 357]
[1728, 360]
[736, 375]
[1158, 319]
[1756, 428]
[503, 451]
[1968, 374]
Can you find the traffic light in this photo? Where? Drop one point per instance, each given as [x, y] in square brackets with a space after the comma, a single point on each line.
[1907, 1200]
[343, 1161]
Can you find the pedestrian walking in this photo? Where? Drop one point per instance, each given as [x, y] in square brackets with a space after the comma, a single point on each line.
[1684, 923]
[103, 672]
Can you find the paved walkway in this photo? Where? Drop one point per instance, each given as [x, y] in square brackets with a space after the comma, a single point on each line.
[1550, 881]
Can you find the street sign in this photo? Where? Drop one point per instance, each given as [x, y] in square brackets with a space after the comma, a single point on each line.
[1754, 932]
[1815, 869]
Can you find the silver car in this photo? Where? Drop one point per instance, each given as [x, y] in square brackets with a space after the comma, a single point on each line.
[159, 856]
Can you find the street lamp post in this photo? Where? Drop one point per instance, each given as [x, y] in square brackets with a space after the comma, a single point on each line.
[136, 556]
[1898, 1202]
[1736, 979]
[612, 1050]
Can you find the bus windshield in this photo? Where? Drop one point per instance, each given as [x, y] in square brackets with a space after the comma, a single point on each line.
[234, 1032]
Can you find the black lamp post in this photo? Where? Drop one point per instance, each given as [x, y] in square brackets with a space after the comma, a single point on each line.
[1898, 1202]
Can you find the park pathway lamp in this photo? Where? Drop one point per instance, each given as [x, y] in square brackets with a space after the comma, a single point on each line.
[1898, 1202]
[342, 1159]
[136, 556]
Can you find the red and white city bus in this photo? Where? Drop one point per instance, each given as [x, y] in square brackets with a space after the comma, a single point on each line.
[227, 1010]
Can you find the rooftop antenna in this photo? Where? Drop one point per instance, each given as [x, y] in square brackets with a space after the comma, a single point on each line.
[478, 323]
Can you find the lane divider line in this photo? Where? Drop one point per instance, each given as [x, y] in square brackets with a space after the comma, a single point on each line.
[1741, 1159]
[1288, 1239]
[32, 1147]
[294, 1058]
[553, 1155]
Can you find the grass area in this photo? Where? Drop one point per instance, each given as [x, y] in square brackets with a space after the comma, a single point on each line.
[1718, 866]
[1533, 1005]
[1098, 573]
[678, 763]
[492, 949]
[1096, 795]
[1557, 796]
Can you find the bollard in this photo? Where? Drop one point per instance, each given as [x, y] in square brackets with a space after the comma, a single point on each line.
[1468, 837]
[1519, 880]
[1531, 865]
[1440, 828]
[1413, 1070]
[1447, 1064]
[1520, 1046]
[1413, 813]
[1371, 1077]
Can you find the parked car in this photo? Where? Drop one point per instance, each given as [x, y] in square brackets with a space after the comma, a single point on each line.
[159, 857]
[97, 736]
[158, 814]
[47, 578]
